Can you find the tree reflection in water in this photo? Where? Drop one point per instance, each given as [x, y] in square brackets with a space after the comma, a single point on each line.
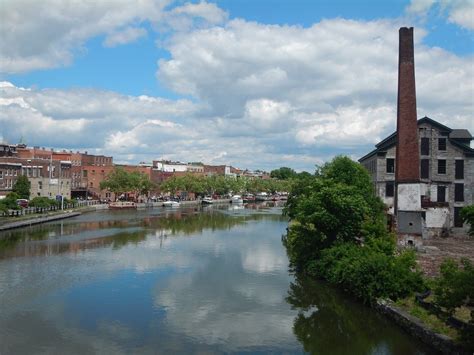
[328, 322]
[115, 229]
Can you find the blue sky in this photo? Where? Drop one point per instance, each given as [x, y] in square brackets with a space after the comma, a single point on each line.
[290, 82]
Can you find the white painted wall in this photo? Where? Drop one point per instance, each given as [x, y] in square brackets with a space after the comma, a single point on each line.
[409, 197]
[437, 217]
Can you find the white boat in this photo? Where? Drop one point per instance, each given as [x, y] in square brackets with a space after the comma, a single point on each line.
[171, 204]
[262, 196]
[207, 200]
[236, 199]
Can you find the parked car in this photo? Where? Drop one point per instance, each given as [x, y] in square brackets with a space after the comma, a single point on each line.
[22, 202]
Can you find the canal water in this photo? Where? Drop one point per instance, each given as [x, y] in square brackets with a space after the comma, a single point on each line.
[187, 281]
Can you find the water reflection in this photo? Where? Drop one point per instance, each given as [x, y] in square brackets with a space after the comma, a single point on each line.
[182, 281]
[82, 233]
[328, 322]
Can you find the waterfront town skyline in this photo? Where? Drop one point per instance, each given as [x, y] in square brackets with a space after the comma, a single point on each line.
[243, 84]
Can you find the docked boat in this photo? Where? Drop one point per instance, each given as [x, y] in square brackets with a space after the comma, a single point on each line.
[248, 198]
[262, 196]
[207, 200]
[236, 199]
[171, 203]
[119, 205]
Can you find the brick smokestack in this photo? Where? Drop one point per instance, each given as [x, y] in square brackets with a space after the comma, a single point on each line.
[407, 154]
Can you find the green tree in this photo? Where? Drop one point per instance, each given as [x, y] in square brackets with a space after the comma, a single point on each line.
[467, 215]
[283, 173]
[22, 187]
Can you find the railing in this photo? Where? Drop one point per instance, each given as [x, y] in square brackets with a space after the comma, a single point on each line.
[38, 210]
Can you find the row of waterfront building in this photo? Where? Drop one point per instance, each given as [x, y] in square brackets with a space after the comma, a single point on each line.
[79, 174]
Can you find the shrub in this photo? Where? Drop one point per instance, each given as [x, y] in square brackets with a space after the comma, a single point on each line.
[43, 202]
[370, 271]
[467, 215]
[9, 202]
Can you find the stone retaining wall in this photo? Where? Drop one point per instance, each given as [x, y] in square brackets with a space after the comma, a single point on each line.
[38, 220]
[439, 342]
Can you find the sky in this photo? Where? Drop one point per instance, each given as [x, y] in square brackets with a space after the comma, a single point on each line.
[255, 84]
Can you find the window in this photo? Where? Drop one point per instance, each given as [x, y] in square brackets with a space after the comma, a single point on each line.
[84, 173]
[389, 188]
[1, 174]
[92, 184]
[40, 185]
[441, 166]
[459, 169]
[390, 165]
[441, 193]
[458, 192]
[425, 146]
[441, 143]
[425, 168]
[457, 217]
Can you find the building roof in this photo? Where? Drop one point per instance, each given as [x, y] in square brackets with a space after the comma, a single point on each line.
[460, 134]
[454, 134]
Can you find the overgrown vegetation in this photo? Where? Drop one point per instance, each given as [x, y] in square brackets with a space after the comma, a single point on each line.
[467, 215]
[338, 233]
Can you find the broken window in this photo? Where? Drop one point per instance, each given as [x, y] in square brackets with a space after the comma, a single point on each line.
[425, 168]
[425, 146]
[441, 193]
[390, 165]
[459, 169]
[458, 192]
[389, 188]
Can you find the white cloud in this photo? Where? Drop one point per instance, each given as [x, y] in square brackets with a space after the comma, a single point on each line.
[459, 12]
[127, 35]
[49, 33]
[262, 96]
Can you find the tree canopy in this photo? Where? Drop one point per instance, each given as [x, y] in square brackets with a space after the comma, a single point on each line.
[120, 181]
[22, 187]
[283, 173]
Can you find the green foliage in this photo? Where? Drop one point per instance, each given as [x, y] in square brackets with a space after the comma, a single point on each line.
[467, 215]
[43, 202]
[331, 207]
[9, 202]
[455, 285]
[221, 185]
[370, 271]
[120, 181]
[455, 288]
[283, 173]
[22, 187]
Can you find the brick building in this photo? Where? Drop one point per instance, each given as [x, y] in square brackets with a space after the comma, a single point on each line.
[446, 168]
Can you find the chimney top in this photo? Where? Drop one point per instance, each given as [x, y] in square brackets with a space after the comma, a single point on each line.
[406, 51]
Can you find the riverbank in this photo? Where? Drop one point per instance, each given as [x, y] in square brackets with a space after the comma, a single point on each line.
[28, 220]
[32, 220]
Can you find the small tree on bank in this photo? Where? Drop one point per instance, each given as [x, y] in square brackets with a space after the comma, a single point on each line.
[22, 187]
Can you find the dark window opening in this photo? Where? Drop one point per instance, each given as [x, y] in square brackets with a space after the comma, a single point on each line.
[389, 189]
[425, 168]
[459, 169]
[457, 217]
[441, 143]
[441, 166]
[458, 192]
[425, 146]
[390, 165]
[441, 193]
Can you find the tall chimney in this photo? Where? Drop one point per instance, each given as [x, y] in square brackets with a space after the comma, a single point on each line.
[407, 154]
[407, 175]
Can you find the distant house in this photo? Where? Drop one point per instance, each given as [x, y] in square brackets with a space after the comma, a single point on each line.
[446, 171]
